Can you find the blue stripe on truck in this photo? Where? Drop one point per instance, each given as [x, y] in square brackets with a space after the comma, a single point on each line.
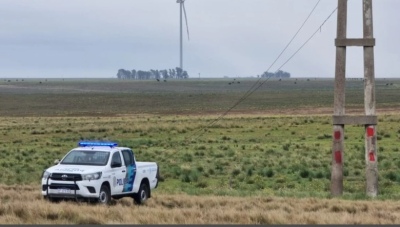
[130, 178]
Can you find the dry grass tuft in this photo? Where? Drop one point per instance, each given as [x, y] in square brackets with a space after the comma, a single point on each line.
[24, 205]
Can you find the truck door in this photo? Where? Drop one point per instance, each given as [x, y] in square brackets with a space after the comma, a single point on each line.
[118, 174]
[130, 170]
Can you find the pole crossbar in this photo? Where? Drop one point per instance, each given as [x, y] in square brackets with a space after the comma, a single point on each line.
[355, 120]
[355, 42]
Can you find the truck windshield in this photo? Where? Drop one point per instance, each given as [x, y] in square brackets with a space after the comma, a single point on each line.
[93, 158]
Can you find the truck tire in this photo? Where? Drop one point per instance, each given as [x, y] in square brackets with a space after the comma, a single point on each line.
[104, 195]
[142, 195]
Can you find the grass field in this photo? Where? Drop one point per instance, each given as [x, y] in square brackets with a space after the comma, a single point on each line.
[277, 143]
[113, 97]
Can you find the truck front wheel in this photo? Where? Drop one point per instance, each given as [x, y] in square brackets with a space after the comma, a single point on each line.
[104, 195]
[142, 195]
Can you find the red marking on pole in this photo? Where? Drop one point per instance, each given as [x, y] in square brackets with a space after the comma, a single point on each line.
[370, 131]
[371, 156]
[337, 135]
[338, 157]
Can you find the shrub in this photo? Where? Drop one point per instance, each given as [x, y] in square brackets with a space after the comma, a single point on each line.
[270, 173]
[200, 168]
[249, 171]
[345, 172]
[250, 181]
[319, 175]
[267, 173]
[325, 136]
[199, 153]
[235, 172]
[392, 176]
[176, 171]
[211, 171]
[231, 153]
[286, 146]
[305, 173]
[202, 184]
[201, 147]
[187, 157]
[189, 175]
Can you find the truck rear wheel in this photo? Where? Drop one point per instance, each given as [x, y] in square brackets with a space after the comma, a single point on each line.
[104, 195]
[142, 195]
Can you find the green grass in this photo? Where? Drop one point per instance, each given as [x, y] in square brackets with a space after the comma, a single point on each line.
[262, 155]
[242, 154]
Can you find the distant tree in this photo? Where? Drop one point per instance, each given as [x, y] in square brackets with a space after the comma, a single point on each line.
[157, 74]
[123, 74]
[141, 75]
[185, 75]
[149, 75]
[133, 74]
[120, 74]
[152, 74]
[268, 74]
[173, 73]
[164, 74]
[178, 73]
[282, 74]
[278, 74]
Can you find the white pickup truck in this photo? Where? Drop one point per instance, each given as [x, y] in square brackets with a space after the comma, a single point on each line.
[100, 171]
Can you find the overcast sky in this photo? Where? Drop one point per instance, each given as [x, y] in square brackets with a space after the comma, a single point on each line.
[95, 38]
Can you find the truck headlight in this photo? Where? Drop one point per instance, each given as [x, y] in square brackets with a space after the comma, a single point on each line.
[91, 176]
[46, 175]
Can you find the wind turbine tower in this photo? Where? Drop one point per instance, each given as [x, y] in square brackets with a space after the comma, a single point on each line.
[182, 9]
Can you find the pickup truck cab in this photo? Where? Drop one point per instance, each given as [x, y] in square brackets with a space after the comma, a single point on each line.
[100, 171]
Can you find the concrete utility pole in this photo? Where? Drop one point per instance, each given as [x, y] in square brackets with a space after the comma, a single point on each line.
[339, 117]
[369, 103]
[339, 97]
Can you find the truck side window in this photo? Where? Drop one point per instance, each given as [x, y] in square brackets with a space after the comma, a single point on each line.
[128, 157]
[116, 160]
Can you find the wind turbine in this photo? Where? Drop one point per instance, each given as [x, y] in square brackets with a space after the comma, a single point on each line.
[182, 8]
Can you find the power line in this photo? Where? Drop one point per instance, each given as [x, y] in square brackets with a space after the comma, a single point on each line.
[250, 91]
[257, 84]
[284, 49]
[312, 36]
[298, 50]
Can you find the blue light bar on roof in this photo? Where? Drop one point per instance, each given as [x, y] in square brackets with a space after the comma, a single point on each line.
[96, 144]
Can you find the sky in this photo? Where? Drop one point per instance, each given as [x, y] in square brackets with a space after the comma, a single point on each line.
[234, 38]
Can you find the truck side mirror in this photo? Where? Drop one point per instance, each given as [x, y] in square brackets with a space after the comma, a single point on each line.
[56, 161]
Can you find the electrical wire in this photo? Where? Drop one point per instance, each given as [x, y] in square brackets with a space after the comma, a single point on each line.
[284, 49]
[257, 84]
[295, 53]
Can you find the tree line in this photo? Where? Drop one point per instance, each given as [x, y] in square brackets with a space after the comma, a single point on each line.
[176, 73]
[278, 74]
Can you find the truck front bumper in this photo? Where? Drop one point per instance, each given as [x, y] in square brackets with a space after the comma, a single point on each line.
[70, 189]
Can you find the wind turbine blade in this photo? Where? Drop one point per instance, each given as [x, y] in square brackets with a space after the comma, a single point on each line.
[187, 26]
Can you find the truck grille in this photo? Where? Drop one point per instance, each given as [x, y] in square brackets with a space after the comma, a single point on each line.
[66, 186]
[66, 177]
